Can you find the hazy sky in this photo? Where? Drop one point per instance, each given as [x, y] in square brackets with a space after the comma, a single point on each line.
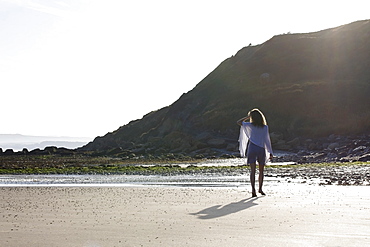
[87, 67]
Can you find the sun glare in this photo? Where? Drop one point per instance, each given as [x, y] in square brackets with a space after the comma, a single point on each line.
[127, 58]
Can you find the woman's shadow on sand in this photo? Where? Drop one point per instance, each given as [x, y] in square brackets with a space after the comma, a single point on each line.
[220, 211]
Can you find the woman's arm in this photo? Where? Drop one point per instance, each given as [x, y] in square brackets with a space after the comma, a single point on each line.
[239, 122]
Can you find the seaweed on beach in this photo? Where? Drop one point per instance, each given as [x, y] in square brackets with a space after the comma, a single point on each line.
[349, 173]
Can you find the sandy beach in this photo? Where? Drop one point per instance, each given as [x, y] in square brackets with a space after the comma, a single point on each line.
[291, 214]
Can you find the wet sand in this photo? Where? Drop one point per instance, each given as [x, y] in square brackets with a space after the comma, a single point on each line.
[291, 214]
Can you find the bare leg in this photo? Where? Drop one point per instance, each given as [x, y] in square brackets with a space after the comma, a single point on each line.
[260, 178]
[253, 178]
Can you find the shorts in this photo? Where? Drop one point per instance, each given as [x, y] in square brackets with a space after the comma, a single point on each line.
[255, 153]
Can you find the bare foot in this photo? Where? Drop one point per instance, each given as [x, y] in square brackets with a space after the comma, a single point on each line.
[254, 193]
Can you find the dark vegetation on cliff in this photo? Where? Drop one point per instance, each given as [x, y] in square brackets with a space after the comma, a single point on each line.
[308, 85]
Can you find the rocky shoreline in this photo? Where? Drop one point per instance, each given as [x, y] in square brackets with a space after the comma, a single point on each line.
[334, 148]
[343, 166]
[327, 174]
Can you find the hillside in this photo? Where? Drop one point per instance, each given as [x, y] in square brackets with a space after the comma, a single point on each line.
[308, 85]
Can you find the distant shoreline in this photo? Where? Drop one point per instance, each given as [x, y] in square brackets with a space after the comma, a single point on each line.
[19, 142]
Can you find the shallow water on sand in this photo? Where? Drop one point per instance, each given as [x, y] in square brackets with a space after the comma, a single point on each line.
[122, 180]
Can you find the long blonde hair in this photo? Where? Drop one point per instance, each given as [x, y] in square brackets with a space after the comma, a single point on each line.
[257, 118]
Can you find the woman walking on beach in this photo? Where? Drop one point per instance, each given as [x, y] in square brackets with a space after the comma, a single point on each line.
[255, 138]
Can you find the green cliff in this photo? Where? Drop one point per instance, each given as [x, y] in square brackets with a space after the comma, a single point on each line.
[309, 85]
